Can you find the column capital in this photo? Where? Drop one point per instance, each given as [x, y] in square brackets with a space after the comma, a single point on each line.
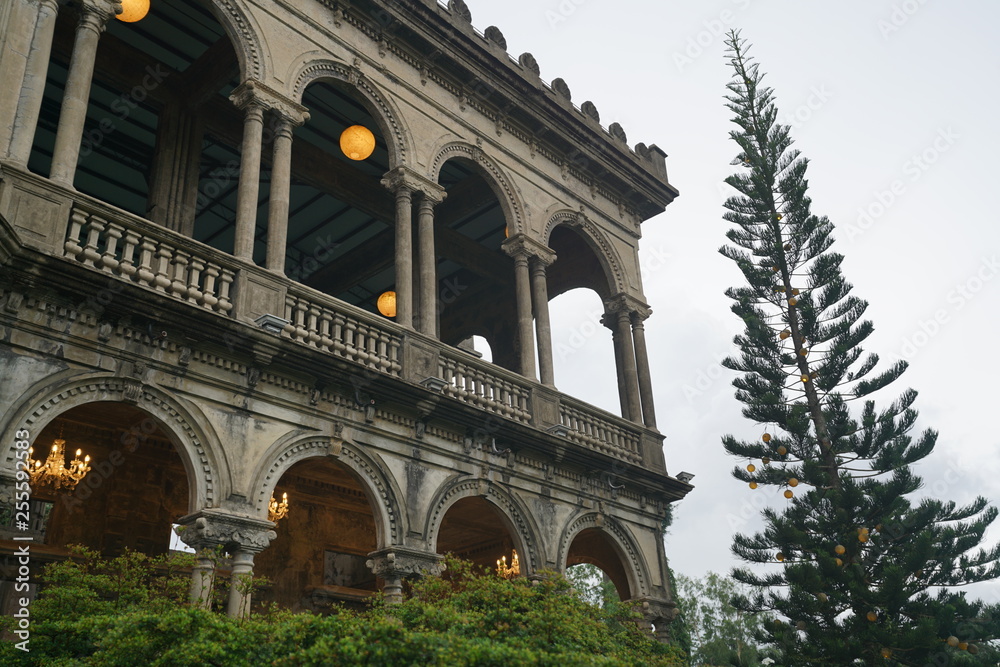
[99, 10]
[405, 563]
[210, 527]
[404, 177]
[255, 93]
[51, 5]
[522, 244]
[637, 311]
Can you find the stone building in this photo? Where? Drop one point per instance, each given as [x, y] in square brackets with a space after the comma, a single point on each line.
[189, 274]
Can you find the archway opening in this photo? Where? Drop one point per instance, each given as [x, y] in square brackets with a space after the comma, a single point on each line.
[474, 529]
[593, 546]
[319, 555]
[136, 490]
[583, 351]
[158, 98]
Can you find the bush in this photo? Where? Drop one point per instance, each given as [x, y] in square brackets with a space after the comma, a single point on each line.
[132, 610]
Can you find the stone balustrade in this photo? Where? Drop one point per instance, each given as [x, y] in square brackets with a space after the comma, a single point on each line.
[480, 384]
[603, 433]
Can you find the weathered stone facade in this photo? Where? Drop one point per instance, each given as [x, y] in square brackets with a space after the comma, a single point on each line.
[173, 326]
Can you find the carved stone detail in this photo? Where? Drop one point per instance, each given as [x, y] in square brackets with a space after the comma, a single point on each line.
[590, 110]
[561, 89]
[512, 210]
[493, 34]
[209, 528]
[529, 63]
[460, 9]
[593, 232]
[616, 131]
[405, 563]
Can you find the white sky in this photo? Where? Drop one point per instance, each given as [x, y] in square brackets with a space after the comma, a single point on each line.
[871, 87]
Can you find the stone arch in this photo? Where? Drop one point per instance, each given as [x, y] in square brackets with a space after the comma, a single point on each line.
[510, 507]
[295, 447]
[597, 240]
[384, 112]
[189, 431]
[618, 534]
[250, 49]
[496, 178]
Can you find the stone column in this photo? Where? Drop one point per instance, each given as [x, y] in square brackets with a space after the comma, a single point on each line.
[245, 98]
[543, 328]
[625, 358]
[242, 537]
[428, 308]
[397, 563]
[32, 90]
[524, 329]
[402, 186]
[642, 368]
[94, 15]
[173, 189]
[203, 578]
[281, 180]
[609, 320]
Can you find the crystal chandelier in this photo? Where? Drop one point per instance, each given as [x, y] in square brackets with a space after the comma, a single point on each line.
[54, 471]
[277, 511]
[512, 571]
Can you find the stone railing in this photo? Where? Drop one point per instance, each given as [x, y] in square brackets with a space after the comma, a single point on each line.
[611, 435]
[50, 219]
[146, 257]
[322, 322]
[482, 385]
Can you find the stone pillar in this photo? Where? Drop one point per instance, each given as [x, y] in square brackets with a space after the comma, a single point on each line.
[625, 360]
[428, 309]
[94, 15]
[524, 328]
[543, 328]
[642, 368]
[173, 190]
[32, 89]
[203, 578]
[242, 537]
[281, 181]
[397, 563]
[245, 98]
[609, 320]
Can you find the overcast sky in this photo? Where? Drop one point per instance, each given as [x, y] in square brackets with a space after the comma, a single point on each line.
[895, 105]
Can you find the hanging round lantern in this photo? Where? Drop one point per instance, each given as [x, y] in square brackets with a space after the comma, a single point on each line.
[793, 482]
[788, 246]
[766, 437]
[751, 467]
[963, 646]
[840, 549]
[788, 493]
[839, 562]
[822, 597]
[753, 485]
[782, 450]
[886, 653]
[862, 537]
[784, 334]
[133, 10]
[792, 302]
[953, 641]
[387, 304]
[779, 556]
[805, 378]
[872, 616]
[357, 142]
[795, 292]
[765, 460]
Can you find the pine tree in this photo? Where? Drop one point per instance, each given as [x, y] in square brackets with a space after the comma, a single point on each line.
[856, 559]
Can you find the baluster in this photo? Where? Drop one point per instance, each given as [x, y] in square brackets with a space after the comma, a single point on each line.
[313, 327]
[301, 306]
[145, 271]
[290, 316]
[76, 222]
[162, 279]
[325, 323]
[194, 293]
[179, 285]
[339, 347]
[350, 336]
[226, 282]
[94, 228]
[209, 299]
[109, 260]
[127, 266]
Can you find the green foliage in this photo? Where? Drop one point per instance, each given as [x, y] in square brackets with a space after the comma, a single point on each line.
[850, 540]
[130, 611]
[721, 634]
[592, 585]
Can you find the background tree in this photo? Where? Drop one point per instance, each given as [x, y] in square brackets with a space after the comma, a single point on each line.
[721, 634]
[859, 559]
